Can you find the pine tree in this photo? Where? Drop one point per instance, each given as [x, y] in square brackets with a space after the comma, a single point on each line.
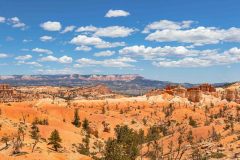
[34, 133]
[76, 122]
[17, 144]
[103, 110]
[21, 131]
[5, 140]
[84, 147]
[85, 125]
[115, 151]
[55, 140]
[192, 122]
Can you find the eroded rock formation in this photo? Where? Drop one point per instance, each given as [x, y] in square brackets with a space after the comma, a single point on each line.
[193, 94]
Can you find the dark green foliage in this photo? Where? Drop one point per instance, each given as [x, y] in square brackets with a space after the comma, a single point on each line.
[84, 147]
[141, 138]
[115, 151]
[76, 121]
[190, 137]
[133, 121]
[126, 144]
[41, 121]
[153, 133]
[215, 136]
[144, 121]
[85, 125]
[34, 133]
[168, 110]
[192, 122]
[55, 140]
[121, 111]
[238, 137]
[103, 110]
[5, 139]
[198, 155]
[238, 114]
[164, 129]
[217, 155]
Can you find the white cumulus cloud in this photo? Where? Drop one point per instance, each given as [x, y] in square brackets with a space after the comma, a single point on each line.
[83, 48]
[23, 58]
[68, 29]
[116, 13]
[3, 55]
[63, 59]
[159, 52]
[46, 38]
[94, 41]
[36, 64]
[41, 50]
[182, 32]
[17, 23]
[117, 62]
[51, 26]
[166, 24]
[104, 53]
[110, 31]
[2, 19]
[114, 31]
[87, 29]
[227, 57]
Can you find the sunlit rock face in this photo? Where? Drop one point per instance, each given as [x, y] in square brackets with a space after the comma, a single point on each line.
[232, 95]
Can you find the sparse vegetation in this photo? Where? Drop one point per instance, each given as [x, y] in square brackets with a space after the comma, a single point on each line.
[35, 135]
[38, 121]
[84, 146]
[76, 121]
[86, 125]
[5, 139]
[55, 140]
[192, 122]
[175, 130]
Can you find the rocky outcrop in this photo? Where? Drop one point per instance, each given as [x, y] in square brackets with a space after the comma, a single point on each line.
[6, 92]
[154, 92]
[89, 92]
[232, 95]
[207, 88]
[194, 94]
[180, 91]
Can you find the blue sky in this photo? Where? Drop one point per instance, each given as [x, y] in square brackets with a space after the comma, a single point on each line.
[180, 41]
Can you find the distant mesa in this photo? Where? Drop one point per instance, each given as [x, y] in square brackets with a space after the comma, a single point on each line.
[30, 93]
[127, 84]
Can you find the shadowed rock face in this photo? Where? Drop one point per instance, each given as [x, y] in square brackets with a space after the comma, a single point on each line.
[4, 86]
[207, 88]
[194, 94]
[6, 92]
